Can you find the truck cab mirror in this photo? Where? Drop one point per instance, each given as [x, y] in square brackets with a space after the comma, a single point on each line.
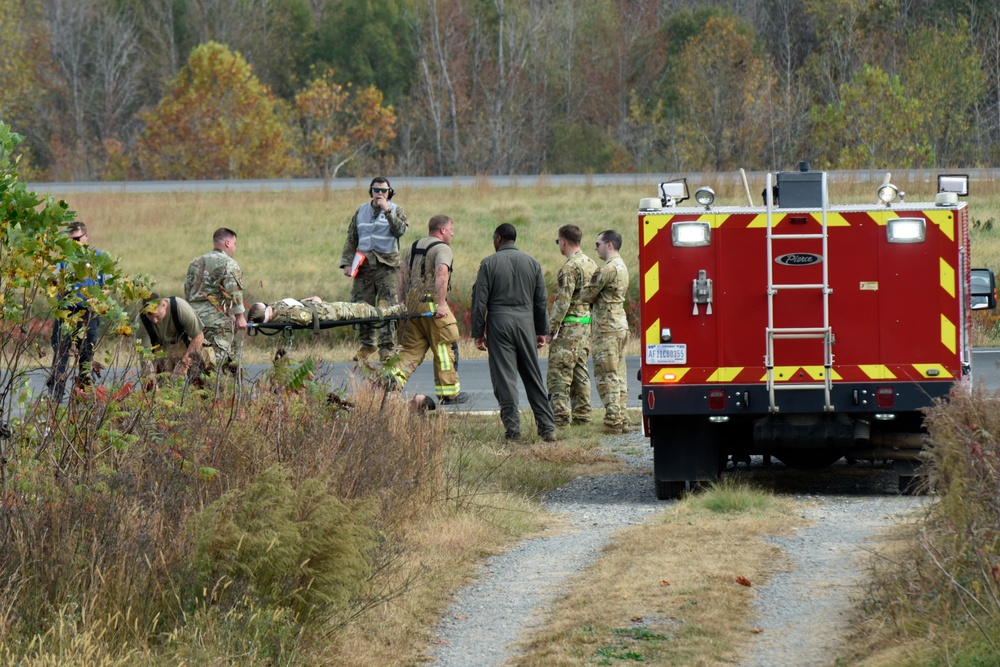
[983, 294]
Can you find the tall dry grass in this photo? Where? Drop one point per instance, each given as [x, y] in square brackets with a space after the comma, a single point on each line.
[148, 522]
[936, 599]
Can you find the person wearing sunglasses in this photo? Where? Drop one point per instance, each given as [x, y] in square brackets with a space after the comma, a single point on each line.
[371, 258]
[78, 328]
[606, 291]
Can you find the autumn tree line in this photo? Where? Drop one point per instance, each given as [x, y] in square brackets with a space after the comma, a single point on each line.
[139, 89]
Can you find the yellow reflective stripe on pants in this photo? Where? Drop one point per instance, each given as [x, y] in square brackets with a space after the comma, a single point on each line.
[443, 350]
[446, 390]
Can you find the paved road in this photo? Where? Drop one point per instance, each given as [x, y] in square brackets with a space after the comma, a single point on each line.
[474, 375]
[518, 181]
[475, 378]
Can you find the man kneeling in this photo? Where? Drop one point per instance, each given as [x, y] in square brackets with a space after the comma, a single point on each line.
[292, 311]
[170, 326]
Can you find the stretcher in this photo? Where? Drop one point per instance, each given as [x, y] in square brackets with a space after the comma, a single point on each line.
[286, 328]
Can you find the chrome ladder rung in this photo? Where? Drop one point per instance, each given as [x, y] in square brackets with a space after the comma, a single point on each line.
[798, 286]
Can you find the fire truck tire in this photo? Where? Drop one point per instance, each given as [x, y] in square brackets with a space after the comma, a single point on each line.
[669, 490]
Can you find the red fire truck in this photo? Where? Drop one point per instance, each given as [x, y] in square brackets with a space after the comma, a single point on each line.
[799, 329]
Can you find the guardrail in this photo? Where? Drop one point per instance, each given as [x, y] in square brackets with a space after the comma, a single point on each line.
[484, 181]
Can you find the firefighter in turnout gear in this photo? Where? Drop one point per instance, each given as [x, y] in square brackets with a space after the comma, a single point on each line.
[424, 281]
[568, 378]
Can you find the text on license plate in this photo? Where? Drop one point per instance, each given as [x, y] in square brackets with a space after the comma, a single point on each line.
[666, 353]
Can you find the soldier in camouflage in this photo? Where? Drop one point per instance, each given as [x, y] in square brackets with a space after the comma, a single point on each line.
[606, 291]
[292, 311]
[373, 239]
[214, 288]
[568, 378]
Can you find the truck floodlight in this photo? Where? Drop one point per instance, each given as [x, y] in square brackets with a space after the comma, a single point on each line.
[884, 416]
[906, 230]
[665, 335]
[690, 234]
[887, 193]
[674, 192]
[704, 196]
[718, 419]
[957, 183]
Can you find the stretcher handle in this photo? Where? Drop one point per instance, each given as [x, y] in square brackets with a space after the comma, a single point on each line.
[253, 328]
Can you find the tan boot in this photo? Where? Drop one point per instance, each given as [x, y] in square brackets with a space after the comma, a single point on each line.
[364, 352]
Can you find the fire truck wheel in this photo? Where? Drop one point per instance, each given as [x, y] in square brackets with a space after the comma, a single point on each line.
[669, 490]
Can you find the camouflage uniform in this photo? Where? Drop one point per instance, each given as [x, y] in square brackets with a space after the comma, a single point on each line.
[214, 288]
[434, 333]
[568, 378]
[303, 313]
[376, 235]
[606, 291]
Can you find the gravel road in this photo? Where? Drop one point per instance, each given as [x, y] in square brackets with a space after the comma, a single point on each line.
[802, 612]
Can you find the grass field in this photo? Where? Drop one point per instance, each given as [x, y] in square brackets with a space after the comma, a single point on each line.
[290, 242]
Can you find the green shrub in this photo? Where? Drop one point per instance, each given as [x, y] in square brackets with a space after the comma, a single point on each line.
[733, 496]
[299, 547]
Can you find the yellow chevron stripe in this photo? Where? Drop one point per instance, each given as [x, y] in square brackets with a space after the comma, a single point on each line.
[652, 335]
[832, 220]
[923, 368]
[945, 220]
[877, 372]
[725, 374]
[948, 278]
[667, 375]
[949, 334]
[651, 281]
[652, 226]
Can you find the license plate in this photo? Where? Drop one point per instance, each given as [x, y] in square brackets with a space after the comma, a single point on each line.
[666, 353]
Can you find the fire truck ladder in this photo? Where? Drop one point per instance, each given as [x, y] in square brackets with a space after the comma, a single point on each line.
[821, 332]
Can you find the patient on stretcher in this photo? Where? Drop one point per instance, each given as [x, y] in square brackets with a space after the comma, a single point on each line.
[292, 311]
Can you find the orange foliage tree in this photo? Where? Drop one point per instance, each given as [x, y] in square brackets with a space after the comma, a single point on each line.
[216, 121]
[339, 123]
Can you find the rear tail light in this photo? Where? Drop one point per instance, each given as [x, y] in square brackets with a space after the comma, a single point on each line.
[717, 399]
[885, 397]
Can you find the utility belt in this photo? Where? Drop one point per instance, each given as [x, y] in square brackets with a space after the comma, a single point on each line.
[578, 319]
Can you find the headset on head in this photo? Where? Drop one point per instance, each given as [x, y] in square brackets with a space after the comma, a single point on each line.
[381, 179]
